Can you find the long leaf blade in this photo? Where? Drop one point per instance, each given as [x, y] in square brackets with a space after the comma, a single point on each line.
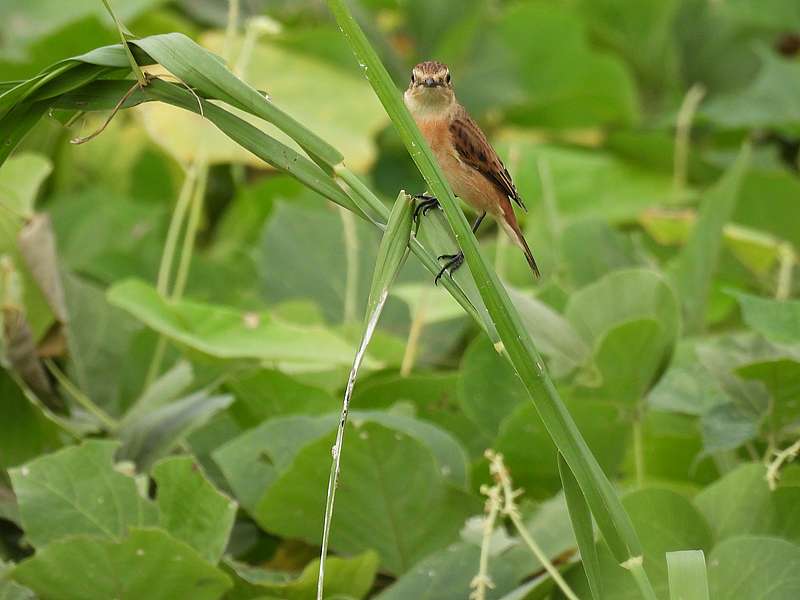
[687, 575]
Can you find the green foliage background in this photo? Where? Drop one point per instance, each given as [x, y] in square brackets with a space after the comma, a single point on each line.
[176, 445]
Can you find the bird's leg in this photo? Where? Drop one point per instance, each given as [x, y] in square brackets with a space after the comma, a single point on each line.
[454, 261]
[426, 204]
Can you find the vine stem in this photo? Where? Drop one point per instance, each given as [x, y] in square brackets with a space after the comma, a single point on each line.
[683, 128]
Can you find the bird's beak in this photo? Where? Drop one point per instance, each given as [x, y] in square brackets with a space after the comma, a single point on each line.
[429, 83]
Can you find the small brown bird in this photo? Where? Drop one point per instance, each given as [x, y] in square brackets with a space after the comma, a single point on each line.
[472, 168]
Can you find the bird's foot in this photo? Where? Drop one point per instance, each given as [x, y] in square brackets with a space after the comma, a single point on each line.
[454, 262]
[426, 204]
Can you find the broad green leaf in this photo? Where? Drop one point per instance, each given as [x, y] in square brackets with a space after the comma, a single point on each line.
[777, 320]
[77, 491]
[641, 32]
[254, 460]
[154, 434]
[767, 203]
[25, 432]
[610, 251]
[556, 337]
[434, 398]
[291, 269]
[620, 297]
[769, 101]
[665, 521]
[488, 388]
[741, 503]
[687, 387]
[191, 509]
[555, 95]
[687, 575]
[446, 575]
[628, 358]
[146, 564]
[226, 333]
[448, 453]
[619, 190]
[10, 590]
[99, 338]
[754, 567]
[387, 479]
[267, 393]
[697, 262]
[21, 178]
[522, 435]
[782, 379]
[672, 450]
[344, 578]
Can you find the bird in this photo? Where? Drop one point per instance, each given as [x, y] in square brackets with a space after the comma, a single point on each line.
[469, 162]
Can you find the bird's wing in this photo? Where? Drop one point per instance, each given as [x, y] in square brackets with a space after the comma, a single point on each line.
[476, 151]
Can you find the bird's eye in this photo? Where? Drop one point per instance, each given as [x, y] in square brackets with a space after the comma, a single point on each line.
[413, 79]
[448, 78]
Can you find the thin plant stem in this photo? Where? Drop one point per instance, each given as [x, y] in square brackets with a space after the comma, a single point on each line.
[173, 233]
[351, 249]
[167, 260]
[192, 226]
[231, 30]
[638, 449]
[683, 138]
[414, 333]
[482, 582]
[79, 397]
[137, 71]
[787, 259]
[503, 477]
[333, 478]
[636, 566]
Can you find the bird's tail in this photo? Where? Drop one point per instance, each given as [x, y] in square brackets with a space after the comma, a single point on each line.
[512, 227]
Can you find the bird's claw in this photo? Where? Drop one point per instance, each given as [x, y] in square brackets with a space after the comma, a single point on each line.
[426, 204]
[454, 262]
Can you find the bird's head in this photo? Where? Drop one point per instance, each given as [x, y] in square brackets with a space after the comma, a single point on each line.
[430, 88]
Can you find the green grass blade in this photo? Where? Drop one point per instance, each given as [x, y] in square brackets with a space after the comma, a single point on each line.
[124, 33]
[392, 254]
[205, 71]
[253, 139]
[611, 517]
[698, 259]
[581, 520]
[392, 251]
[687, 575]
